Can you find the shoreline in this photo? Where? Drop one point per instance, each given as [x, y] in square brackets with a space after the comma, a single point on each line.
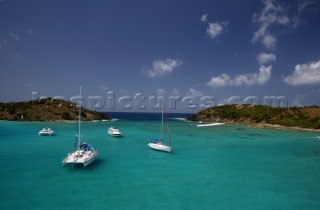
[250, 125]
[266, 126]
[262, 116]
[276, 127]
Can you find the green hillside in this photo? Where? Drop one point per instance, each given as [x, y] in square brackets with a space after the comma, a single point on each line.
[303, 117]
[40, 110]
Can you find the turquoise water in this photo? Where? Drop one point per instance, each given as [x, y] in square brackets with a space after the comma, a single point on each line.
[227, 167]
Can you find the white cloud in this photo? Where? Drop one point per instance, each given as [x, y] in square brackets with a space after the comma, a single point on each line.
[175, 92]
[103, 87]
[301, 8]
[14, 36]
[215, 29]
[272, 14]
[161, 92]
[298, 100]
[30, 32]
[269, 41]
[163, 67]
[220, 81]
[243, 79]
[304, 74]
[264, 58]
[194, 93]
[204, 18]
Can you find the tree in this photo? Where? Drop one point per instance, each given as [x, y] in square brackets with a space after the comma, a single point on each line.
[65, 116]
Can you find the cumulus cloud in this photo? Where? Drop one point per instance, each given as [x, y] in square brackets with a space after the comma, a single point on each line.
[304, 74]
[204, 18]
[215, 29]
[264, 58]
[272, 14]
[243, 79]
[194, 93]
[161, 92]
[163, 67]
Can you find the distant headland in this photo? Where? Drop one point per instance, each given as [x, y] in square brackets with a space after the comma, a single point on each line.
[306, 118]
[46, 109]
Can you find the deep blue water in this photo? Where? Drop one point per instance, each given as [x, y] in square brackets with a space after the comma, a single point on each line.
[226, 167]
[144, 116]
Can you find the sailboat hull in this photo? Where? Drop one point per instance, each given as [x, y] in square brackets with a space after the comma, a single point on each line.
[160, 147]
[84, 158]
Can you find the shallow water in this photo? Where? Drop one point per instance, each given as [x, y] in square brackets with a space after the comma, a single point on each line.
[225, 167]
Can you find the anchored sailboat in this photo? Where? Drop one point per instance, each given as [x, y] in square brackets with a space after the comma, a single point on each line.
[158, 143]
[84, 153]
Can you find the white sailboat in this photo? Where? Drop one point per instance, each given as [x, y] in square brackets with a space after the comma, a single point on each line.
[84, 153]
[157, 144]
[46, 131]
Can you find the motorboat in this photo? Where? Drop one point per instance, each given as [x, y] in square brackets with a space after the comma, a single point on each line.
[114, 131]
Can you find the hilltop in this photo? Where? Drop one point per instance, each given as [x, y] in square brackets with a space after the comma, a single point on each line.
[302, 117]
[40, 110]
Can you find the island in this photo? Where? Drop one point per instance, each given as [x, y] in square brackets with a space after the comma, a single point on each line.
[306, 118]
[47, 109]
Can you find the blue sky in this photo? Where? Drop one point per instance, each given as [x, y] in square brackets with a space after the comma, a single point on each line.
[172, 48]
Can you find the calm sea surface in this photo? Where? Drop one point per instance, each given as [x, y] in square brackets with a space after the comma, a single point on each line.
[225, 167]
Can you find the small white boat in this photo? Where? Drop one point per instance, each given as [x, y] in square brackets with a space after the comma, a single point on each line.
[46, 132]
[113, 131]
[157, 144]
[209, 125]
[84, 153]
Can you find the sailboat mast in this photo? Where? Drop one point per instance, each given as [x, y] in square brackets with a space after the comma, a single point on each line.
[46, 115]
[79, 120]
[168, 130]
[162, 125]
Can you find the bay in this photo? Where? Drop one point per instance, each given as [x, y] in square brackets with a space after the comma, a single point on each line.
[225, 167]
